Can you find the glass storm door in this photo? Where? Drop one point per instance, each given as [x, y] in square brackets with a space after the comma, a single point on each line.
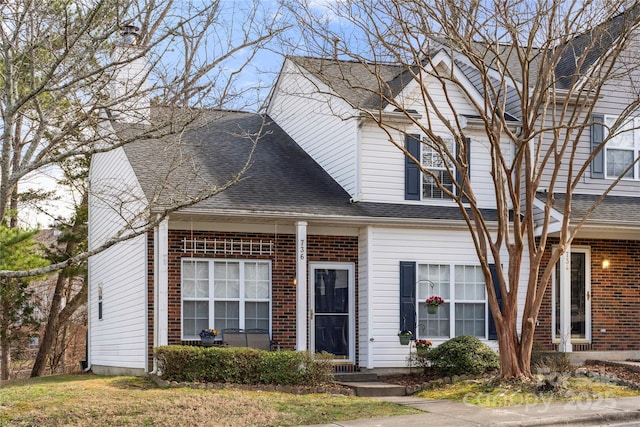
[580, 296]
[332, 302]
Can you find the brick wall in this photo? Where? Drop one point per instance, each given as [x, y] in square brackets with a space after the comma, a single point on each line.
[283, 265]
[615, 298]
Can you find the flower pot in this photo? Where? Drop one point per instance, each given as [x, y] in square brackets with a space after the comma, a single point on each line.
[405, 339]
[207, 341]
[432, 309]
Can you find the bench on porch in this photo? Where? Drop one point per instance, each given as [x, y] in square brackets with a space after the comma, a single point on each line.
[254, 338]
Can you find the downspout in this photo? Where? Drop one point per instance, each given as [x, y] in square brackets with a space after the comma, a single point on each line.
[160, 287]
[87, 345]
[155, 296]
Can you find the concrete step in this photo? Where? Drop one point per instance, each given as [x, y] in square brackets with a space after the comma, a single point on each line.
[353, 377]
[376, 389]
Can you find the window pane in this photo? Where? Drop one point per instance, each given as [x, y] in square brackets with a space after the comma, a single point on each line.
[433, 325]
[195, 317]
[195, 279]
[189, 309]
[433, 279]
[618, 161]
[430, 189]
[188, 288]
[188, 269]
[256, 280]
[470, 320]
[257, 315]
[469, 283]
[226, 280]
[227, 314]
[331, 291]
[623, 137]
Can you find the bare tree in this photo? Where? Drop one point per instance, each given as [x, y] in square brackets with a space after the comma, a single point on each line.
[532, 73]
[72, 73]
[69, 71]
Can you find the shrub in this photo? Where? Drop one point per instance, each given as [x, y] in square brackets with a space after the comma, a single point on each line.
[242, 366]
[463, 355]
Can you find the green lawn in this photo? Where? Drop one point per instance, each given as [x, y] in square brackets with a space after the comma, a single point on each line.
[89, 400]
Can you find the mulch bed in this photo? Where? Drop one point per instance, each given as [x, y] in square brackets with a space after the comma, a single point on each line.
[603, 371]
[331, 388]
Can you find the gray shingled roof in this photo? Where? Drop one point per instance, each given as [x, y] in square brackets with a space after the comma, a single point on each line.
[360, 83]
[585, 49]
[613, 209]
[282, 179]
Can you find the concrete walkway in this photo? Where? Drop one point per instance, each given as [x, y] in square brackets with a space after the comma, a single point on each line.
[444, 413]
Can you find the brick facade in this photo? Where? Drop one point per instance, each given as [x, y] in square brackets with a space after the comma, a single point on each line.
[615, 298]
[283, 267]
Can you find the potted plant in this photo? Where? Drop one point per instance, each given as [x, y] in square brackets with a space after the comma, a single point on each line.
[433, 302]
[405, 337]
[208, 337]
[423, 346]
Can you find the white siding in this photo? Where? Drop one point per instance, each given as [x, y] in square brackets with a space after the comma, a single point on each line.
[363, 297]
[321, 124]
[383, 169]
[383, 163]
[120, 338]
[390, 246]
[617, 94]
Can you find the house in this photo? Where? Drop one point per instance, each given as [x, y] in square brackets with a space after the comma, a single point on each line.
[332, 239]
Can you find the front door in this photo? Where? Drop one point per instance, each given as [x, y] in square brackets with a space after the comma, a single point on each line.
[332, 302]
[580, 297]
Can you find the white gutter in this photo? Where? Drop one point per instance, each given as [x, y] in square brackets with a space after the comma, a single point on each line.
[332, 219]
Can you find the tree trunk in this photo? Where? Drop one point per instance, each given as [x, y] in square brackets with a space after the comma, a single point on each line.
[51, 330]
[54, 320]
[5, 358]
[5, 345]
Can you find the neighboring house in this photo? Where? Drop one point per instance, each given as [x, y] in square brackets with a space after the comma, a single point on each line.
[333, 239]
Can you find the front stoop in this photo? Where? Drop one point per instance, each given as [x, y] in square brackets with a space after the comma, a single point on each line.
[375, 389]
[366, 384]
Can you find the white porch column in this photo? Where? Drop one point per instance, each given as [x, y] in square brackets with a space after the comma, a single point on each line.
[565, 302]
[162, 288]
[301, 286]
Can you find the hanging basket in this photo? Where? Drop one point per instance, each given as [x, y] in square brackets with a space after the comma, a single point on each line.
[432, 309]
[405, 339]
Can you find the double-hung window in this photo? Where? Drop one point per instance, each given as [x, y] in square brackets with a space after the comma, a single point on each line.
[622, 149]
[419, 185]
[465, 310]
[225, 294]
[441, 169]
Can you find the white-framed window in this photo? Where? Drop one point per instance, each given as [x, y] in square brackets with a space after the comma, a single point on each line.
[622, 149]
[465, 310]
[435, 163]
[221, 294]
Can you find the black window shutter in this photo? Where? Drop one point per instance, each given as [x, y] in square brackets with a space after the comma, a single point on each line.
[411, 169]
[408, 297]
[458, 172]
[493, 332]
[597, 136]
